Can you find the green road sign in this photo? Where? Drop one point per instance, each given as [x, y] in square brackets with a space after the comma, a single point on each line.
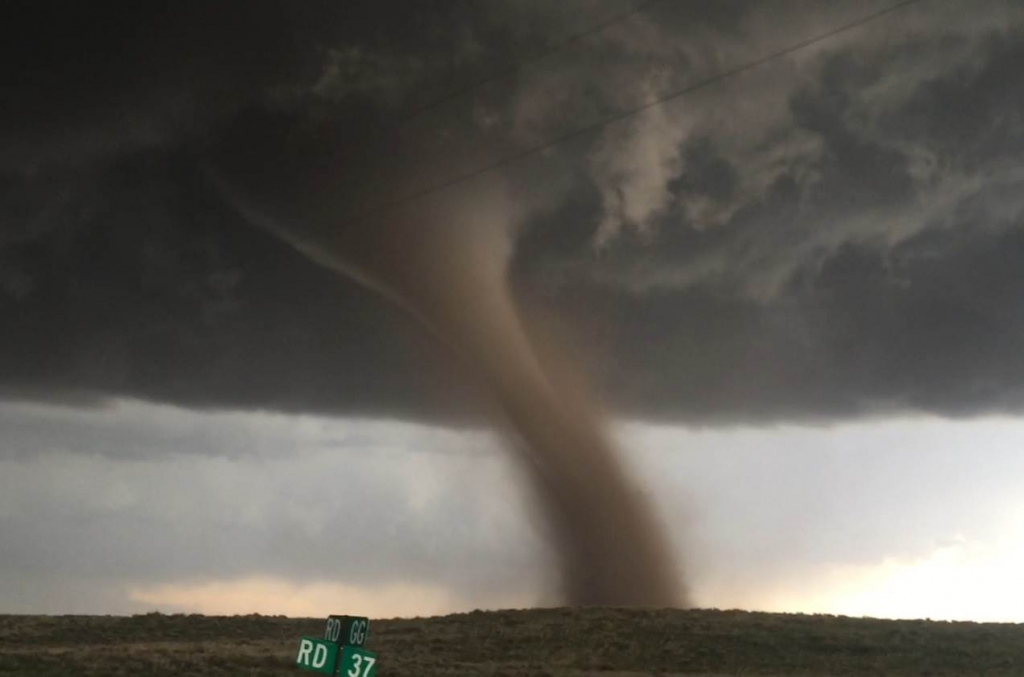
[356, 662]
[317, 655]
[347, 630]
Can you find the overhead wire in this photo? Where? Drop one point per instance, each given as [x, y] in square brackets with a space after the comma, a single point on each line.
[515, 67]
[634, 111]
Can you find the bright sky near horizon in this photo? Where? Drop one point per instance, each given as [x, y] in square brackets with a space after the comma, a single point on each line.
[139, 507]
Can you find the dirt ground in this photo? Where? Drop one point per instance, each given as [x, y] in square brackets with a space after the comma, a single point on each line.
[544, 642]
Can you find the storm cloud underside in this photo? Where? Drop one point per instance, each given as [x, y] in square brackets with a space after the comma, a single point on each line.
[836, 235]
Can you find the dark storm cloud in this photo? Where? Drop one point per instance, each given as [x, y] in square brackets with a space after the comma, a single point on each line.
[875, 272]
[831, 236]
[866, 331]
[161, 292]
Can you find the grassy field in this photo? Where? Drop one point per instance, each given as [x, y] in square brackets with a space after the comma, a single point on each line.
[609, 642]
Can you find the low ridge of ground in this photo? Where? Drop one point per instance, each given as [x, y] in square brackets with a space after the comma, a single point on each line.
[540, 642]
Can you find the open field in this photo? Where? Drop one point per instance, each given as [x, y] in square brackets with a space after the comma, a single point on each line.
[610, 642]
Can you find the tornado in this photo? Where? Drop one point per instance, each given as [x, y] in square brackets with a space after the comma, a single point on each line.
[187, 79]
[445, 261]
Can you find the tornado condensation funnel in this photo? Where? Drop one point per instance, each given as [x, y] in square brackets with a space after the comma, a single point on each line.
[446, 263]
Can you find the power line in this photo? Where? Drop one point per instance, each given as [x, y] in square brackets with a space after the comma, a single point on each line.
[631, 112]
[514, 68]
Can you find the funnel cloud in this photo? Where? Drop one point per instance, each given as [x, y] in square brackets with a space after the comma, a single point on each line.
[447, 266]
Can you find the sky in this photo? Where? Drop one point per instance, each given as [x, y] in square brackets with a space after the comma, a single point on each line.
[795, 290]
[138, 507]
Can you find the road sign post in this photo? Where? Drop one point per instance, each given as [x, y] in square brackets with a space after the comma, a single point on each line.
[347, 630]
[317, 655]
[356, 662]
[340, 652]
